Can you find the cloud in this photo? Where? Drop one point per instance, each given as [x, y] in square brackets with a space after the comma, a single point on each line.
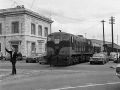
[106, 14]
[60, 16]
[65, 19]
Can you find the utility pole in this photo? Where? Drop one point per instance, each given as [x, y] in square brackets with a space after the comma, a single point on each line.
[117, 39]
[117, 43]
[117, 49]
[103, 35]
[112, 20]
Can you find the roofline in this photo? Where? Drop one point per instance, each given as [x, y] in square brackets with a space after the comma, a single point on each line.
[15, 11]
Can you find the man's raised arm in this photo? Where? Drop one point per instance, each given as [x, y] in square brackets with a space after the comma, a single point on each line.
[7, 50]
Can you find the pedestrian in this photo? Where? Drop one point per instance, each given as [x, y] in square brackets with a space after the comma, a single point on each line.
[13, 58]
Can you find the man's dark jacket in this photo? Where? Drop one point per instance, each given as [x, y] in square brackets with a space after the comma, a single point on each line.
[13, 55]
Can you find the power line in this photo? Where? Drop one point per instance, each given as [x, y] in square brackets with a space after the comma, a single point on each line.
[32, 4]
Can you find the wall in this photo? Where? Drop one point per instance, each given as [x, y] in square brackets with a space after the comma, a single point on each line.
[7, 36]
[24, 34]
[34, 38]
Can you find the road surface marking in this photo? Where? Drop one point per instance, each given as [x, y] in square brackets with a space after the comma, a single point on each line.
[41, 89]
[89, 85]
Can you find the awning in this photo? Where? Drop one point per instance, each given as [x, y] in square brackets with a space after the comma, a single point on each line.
[40, 41]
[15, 42]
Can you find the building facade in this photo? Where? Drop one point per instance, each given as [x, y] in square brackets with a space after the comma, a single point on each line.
[107, 47]
[99, 43]
[24, 30]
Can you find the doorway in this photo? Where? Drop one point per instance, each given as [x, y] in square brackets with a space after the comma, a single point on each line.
[15, 47]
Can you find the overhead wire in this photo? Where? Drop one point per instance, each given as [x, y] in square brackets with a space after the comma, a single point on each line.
[32, 4]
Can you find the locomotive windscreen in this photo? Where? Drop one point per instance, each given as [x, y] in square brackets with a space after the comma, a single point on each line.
[58, 37]
[65, 37]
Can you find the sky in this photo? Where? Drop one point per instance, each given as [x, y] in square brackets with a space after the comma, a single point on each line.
[79, 17]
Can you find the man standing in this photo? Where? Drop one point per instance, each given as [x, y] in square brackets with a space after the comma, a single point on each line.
[13, 56]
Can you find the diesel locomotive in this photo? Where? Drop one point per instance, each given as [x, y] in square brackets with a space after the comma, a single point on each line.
[67, 49]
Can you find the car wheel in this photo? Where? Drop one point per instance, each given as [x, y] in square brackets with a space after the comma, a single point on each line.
[26, 61]
[103, 62]
[3, 59]
[91, 62]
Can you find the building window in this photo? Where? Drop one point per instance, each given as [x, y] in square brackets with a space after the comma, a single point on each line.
[0, 28]
[15, 27]
[33, 28]
[40, 47]
[33, 49]
[46, 31]
[40, 30]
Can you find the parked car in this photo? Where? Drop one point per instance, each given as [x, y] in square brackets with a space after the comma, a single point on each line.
[113, 56]
[99, 58]
[33, 58]
[118, 70]
[42, 59]
[7, 57]
[117, 58]
[19, 58]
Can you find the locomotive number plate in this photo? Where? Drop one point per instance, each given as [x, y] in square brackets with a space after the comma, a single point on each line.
[57, 41]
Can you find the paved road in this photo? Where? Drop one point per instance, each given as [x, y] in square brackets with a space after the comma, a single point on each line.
[77, 77]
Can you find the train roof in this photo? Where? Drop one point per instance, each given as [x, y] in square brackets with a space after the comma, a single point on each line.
[77, 36]
[59, 32]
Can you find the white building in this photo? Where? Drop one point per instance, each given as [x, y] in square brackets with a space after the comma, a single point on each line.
[23, 29]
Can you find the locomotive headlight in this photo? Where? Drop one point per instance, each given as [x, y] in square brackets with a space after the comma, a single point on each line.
[67, 57]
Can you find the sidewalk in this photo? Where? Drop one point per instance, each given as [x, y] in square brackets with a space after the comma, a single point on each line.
[24, 73]
[23, 61]
[21, 73]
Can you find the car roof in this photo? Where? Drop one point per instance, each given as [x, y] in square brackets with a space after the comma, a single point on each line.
[99, 54]
[118, 65]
